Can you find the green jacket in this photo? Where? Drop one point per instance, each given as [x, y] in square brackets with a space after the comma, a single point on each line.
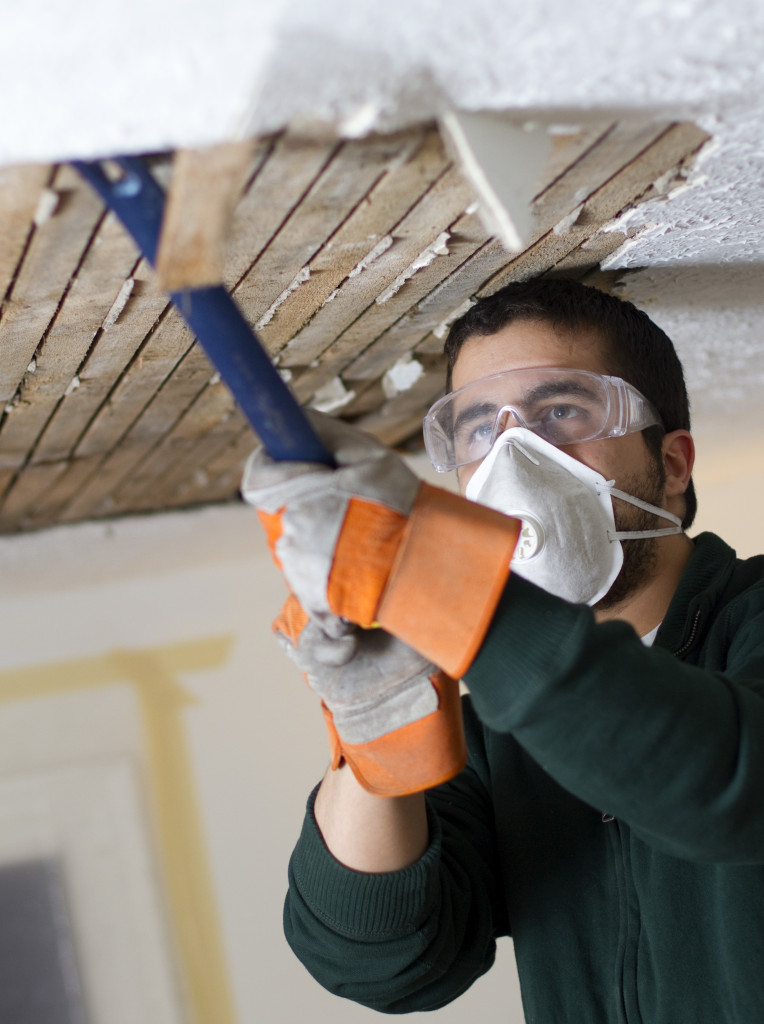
[611, 819]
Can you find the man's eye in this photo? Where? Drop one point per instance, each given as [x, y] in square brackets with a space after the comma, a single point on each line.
[481, 431]
[563, 412]
[474, 436]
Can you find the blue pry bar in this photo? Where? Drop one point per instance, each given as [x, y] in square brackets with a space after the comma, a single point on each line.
[217, 322]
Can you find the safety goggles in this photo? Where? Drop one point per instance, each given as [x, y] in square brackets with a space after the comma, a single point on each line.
[562, 406]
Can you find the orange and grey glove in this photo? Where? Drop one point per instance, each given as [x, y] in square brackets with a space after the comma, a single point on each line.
[368, 542]
[391, 715]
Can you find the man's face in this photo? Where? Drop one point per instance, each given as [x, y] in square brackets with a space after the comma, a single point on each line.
[627, 459]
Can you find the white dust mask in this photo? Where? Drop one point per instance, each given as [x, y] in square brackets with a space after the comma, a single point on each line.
[568, 543]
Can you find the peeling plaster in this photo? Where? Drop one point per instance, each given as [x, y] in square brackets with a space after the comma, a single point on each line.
[428, 255]
[363, 67]
[715, 317]
[402, 376]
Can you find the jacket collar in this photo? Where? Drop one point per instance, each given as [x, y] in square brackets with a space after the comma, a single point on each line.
[702, 584]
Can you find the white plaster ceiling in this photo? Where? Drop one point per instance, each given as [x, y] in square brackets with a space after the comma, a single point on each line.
[94, 77]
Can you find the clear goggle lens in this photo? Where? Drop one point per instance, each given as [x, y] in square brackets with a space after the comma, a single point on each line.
[562, 406]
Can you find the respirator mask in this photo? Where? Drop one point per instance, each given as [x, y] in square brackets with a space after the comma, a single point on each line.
[568, 543]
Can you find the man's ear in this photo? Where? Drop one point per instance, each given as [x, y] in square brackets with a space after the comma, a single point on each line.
[678, 460]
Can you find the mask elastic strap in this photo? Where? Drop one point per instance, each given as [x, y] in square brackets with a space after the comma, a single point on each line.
[662, 513]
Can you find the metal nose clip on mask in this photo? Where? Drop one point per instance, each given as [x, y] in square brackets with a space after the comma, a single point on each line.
[568, 543]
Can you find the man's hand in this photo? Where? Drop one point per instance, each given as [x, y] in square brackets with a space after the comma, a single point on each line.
[369, 543]
[308, 509]
[391, 714]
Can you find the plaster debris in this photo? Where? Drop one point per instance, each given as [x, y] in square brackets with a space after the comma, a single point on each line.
[46, 207]
[402, 376]
[32, 366]
[331, 396]
[563, 129]
[285, 374]
[621, 222]
[369, 258]
[361, 121]
[119, 304]
[74, 383]
[442, 329]
[268, 315]
[563, 226]
[214, 379]
[437, 248]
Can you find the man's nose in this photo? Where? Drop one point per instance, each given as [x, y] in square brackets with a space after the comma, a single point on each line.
[508, 416]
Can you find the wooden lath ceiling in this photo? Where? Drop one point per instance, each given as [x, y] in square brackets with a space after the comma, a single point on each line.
[349, 257]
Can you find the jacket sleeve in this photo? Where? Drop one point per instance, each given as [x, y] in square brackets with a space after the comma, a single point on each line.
[674, 750]
[406, 940]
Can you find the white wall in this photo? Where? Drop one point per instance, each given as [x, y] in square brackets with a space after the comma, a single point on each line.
[255, 733]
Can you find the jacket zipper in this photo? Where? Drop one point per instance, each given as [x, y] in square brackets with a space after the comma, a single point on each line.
[691, 639]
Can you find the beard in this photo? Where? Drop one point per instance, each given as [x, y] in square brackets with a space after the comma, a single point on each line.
[640, 557]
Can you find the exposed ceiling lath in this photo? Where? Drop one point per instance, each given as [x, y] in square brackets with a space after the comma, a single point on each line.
[351, 257]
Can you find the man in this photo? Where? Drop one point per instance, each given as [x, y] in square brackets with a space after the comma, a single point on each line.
[611, 814]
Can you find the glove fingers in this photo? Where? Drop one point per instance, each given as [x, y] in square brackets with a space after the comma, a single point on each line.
[315, 649]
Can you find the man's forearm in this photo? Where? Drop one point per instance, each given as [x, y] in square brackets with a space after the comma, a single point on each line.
[366, 832]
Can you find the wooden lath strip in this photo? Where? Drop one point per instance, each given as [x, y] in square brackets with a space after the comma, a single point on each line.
[220, 476]
[178, 453]
[450, 294]
[142, 307]
[167, 398]
[440, 207]
[401, 416]
[467, 236]
[205, 187]
[22, 198]
[577, 249]
[108, 427]
[366, 233]
[631, 185]
[27, 491]
[109, 259]
[149, 369]
[93, 418]
[46, 503]
[50, 261]
[348, 177]
[594, 165]
[580, 248]
[621, 143]
[289, 169]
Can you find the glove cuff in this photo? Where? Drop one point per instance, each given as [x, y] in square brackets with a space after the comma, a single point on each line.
[415, 757]
[449, 573]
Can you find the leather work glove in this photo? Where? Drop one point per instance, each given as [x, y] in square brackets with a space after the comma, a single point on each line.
[368, 542]
[390, 713]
